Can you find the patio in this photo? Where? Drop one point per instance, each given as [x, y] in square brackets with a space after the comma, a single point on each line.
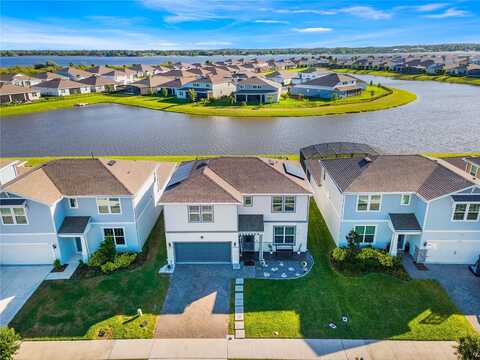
[275, 267]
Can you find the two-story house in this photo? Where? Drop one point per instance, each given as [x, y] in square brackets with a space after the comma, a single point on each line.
[329, 86]
[400, 203]
[224, 210]
[207, 87]
[257, 90]
[65, 208]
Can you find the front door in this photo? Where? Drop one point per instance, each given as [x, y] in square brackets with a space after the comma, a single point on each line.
[78, 245]
[401, 242]
[248, 243]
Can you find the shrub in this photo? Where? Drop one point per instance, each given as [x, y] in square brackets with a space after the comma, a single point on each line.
[106, 252]
[468, 347]
[9, 343]
[57, 264]
[243, 103]
[339, 255]
[164, 92]
[122, 260]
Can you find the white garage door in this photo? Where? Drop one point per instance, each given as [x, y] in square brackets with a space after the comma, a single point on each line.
[453, 252]
[26, 254]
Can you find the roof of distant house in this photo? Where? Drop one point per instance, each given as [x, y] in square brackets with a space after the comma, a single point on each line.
[394, 173]
[74, 71]
[331, 80]
[95, 80]
[59, 83]
[257, 80]
[10, 89]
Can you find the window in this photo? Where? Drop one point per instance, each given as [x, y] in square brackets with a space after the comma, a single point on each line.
[366, 234]
[13, 216]
[116, 234]
[248, 201]
[200, 214]
[284, 235]
[72, 203]
[466, 212]
[108, 206]
[473, 170]
[405, 199]
[369, 202]
[284, 204]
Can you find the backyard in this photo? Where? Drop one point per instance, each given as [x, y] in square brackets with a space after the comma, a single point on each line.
[378, 306]
[374, 98]
[80, 308]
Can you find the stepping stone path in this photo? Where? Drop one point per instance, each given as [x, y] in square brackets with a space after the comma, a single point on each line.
[239, 315]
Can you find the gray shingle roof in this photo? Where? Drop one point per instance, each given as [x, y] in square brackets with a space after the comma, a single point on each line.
[250, 223]
[405, 222]
[394, 173]
[336, 149]
[74, 225]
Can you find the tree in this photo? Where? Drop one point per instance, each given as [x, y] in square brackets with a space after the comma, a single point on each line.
[9, 343]
[352, 240]
[164, 92]
[192, 95]
[468, 347]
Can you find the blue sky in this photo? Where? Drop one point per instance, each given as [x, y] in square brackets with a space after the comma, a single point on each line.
[208, 24]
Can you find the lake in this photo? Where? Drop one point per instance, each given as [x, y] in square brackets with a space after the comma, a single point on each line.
[445, 118]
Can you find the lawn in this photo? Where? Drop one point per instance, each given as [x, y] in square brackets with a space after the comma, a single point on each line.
[419, 77]
[380, 100]
[379, 306]
[79, 308]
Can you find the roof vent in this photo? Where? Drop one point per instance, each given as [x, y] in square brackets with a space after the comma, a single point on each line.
[271, 162]
[367, 159]
[111, 163]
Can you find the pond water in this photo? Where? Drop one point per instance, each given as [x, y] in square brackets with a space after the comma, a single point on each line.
[445, 118]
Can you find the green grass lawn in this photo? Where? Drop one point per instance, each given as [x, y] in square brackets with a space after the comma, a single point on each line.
[79, 308]
[380, 100]
[379, 306]
[419, 77]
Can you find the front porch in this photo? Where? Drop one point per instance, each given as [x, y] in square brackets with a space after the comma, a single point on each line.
[406, 232]
[72, 241]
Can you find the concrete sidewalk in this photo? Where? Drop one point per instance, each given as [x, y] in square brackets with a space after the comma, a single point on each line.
[237, 349]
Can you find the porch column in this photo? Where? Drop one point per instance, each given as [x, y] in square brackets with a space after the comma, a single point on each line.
[260, 250]
[394, 244]
[84, 249]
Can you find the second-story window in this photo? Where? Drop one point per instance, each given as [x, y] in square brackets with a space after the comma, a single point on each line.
[13, 216]
[466, 212]
[405, 199]
[285, 204]
[369, 202]
[248, 201]
[109, 206]
[200, 213]
[72, 203]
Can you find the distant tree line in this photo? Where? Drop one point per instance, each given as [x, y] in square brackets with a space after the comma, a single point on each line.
[242, 52]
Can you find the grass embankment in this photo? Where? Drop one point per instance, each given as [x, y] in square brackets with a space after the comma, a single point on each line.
[374, 98]
[379, 306]
[419, 77]
[79, 308]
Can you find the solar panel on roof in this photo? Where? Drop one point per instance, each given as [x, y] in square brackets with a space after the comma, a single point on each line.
[180, 174]
[293, 170]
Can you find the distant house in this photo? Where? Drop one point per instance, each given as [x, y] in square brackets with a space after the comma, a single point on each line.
[143, 70]
[473, 70]
[61, 87]
[282, 77]
[155, 84]
[18, 79]
[435, 68]
[307, 75]
[470, 165]
[100, 70]
[73, 73]
[49, 76]
[330, 86]
[257, 90]
[120, 76]
[207, 87]
[456, 69]
[17, 94]
[99, 83]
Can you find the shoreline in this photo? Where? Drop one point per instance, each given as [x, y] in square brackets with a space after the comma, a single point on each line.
[392, 98]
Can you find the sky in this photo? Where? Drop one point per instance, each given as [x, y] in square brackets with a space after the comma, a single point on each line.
[215, 24]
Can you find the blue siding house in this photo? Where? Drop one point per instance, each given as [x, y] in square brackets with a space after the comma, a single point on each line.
[66, 208]
[401, 203]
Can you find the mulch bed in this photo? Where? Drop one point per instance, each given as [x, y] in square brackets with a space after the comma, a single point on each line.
[60, 269]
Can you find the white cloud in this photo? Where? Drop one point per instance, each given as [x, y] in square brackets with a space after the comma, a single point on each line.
[451, 12]
[366, 12]
[271, 22]
[306, 11]
[430, 7]
[313, 30]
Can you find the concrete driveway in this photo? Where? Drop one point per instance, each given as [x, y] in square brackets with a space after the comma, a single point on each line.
[461, 285]
[197, 303]
[17, 284]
